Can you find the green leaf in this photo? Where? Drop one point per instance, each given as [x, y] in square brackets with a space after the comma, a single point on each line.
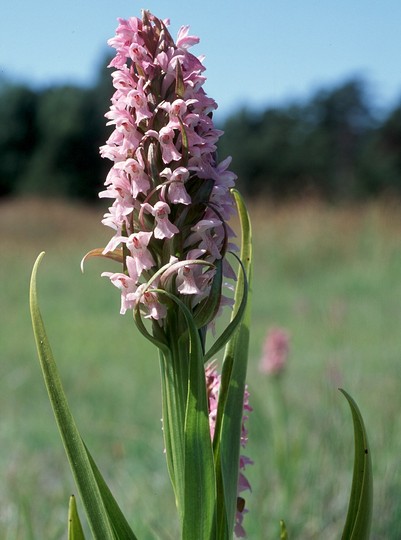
[206, 310]
[75, 531]
[230, 406]
[283, 530]
[118, 521]
[144, 331]
[239, 311]
[359, 517]
[104, 520]
[173, 420]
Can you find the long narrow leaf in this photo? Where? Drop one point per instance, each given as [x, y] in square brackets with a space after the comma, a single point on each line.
[75, 531]
[118, 521]
[173, 420]
[144, 331]
[230, 407]
[74, 447]
[359, 517]
[239, 311]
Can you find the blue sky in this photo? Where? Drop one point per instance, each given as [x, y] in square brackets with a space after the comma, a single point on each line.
[258, 52]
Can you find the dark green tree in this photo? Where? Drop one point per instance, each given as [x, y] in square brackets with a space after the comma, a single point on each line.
[65, 157]
[18, 134]
[318, 146]
[343, 123]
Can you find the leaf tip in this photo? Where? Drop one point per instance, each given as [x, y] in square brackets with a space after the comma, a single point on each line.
[34, 272]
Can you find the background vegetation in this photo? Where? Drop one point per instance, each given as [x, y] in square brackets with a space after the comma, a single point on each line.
[335, 145]
[329, 275]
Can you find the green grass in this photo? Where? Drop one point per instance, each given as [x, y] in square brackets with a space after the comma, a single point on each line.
[332, 277]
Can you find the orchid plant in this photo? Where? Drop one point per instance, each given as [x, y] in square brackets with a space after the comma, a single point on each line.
[179, 268]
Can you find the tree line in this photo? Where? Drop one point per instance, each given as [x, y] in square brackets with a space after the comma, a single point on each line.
[332, 145]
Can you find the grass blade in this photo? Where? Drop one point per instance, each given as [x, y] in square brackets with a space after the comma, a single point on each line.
[118, 521]
[239, 311]
[230, 407]
[75, 531]
[75, 449]
[359, 517]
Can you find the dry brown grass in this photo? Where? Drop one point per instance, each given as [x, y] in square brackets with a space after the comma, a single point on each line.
[30, 221]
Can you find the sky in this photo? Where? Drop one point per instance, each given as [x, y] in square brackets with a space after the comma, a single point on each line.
[258, 53]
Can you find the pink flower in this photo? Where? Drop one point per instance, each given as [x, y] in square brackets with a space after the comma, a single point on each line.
[275, 352]
[156, 310]
[210, 235]
[187, 279]
[137, 244]
[137, 178]
[184, 40]
[149, 302]
[127, 286]
[169, 151]
[163, 227]
[137, 99]
[176, 188]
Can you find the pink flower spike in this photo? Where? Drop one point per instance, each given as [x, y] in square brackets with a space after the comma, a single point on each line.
[178, 108]
[178, 194]
[149, 301]
[163, 136]
[113, 243]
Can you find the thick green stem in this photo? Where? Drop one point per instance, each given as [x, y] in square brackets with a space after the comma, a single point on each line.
[186, 426]
[174, 379]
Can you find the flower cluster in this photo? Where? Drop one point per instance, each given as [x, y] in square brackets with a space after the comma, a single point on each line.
[275, 352]
[213, 381]
[171, 196]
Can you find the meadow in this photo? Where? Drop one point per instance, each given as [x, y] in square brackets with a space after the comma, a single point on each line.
[331, 276]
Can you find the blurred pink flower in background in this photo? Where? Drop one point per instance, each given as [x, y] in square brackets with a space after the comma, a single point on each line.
[275, 351]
